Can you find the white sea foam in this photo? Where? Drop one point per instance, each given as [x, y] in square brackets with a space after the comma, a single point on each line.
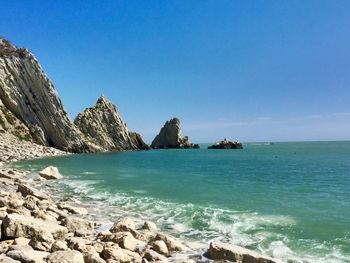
[89, 173]
[200, 225]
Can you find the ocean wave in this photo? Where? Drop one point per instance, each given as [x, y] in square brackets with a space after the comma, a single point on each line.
[200, 225]
[89, 173]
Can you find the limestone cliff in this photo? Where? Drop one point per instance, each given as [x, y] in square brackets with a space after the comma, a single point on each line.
[30, 98]
[9, 124]
[105, 126]
[170, 136]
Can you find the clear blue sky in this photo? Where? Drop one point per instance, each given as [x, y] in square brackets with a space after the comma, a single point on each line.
[247, 70]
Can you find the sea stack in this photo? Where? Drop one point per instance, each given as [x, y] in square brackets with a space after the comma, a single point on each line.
[104, 125]
[226, 144]
[170, 136]
[30, 108]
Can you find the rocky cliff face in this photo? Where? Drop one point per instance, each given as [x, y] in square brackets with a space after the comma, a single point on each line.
[170, 136]
[31, 99]
[105, 126]
[31, 110]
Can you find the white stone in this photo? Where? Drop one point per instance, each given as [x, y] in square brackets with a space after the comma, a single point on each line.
[51, 173]
[222, 251]
[70, 256]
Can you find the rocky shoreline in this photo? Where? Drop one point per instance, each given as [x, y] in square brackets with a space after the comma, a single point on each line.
[13, 149]
[38, 227]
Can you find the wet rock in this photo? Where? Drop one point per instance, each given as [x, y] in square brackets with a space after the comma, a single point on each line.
[128, 241]
[160, 247]
[153, 256]
[118, 254]
[226, 144]
[50, 173]
[171, 243]
[70, 256]
[222, 251]
[150, 226]
[73, 209]
[125, 224]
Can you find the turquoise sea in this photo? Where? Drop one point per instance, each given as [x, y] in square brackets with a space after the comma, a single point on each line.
[288, 200]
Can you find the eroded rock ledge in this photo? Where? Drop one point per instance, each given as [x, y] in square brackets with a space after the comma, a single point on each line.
[170, 136]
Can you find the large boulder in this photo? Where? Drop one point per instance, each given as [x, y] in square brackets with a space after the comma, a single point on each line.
[27, 190]
[154, 256]
[222, 251]
[73, 209]
[50, 173]
[59, 245]
[128, 241]
[160, 247]
[105, 126]
[150, 226]
[70, 256]
[79, 226]
[93, 257]
[15, 225]
[6, 259]
[121, 255]
[172, 243]
[170, 136]
[124, 224]
[26, 254]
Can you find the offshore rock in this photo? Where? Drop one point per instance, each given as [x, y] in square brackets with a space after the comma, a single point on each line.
[170, 136]
[105, 126]
[226, 144]
[50, 173]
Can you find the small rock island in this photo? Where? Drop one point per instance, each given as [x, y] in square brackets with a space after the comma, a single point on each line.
[226, 144]
[170, 136]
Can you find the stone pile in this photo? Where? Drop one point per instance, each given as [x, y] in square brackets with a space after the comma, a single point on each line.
[34, 228]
